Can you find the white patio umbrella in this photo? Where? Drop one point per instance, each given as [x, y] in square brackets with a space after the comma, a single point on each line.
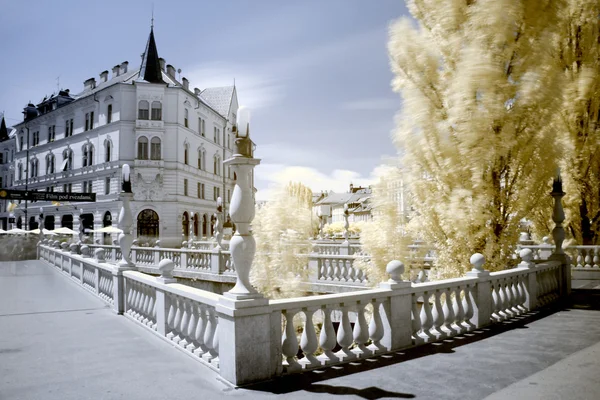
[16, 231]
[64, 231]
[44, 231]
[107, 229]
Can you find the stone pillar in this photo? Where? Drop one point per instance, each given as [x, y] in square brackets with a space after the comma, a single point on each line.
[125, 242]
[531, 280]
[165, 267]
[558, 234]
[396, 313]
[246, 351]
[216, 259]
[481, 295]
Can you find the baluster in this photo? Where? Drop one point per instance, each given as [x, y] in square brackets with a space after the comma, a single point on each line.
[448, 310]
[308, 342]
[344, 336]
[522, 294]
[185, 320]
[351, 271]
[495, 304]
[579, 258]
[193, 322]
[171, 317]
[329, 269]
[416, 321]
[344, 273]
[152, 323]
[360, 333]
[438, 316]
[336, 270]
[200, 331]
[376, 328]
[289, 342]
[505, 299]
[359, 276]
[215, 345]
[146, 305]
[209, 335]
[468, 307]
[426, 318]
[459, 311]
[129, 298]
[322, 269]
[327, 339]
[177, 321]
[514, 293]
[587, 259]
[596, 259]
[136, 300]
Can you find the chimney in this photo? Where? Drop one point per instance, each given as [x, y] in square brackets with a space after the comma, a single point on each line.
[103, 76]
[186, 83]
[116, 70]
[197, 92]
[124, 65]
[171, 71]
[162, 63]
[89, 84]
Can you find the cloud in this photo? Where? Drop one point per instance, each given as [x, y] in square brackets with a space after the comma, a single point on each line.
[382, 103]
[269, 177]
[256, 90]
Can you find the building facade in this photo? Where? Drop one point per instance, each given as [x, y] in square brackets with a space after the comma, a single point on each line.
[174, 139]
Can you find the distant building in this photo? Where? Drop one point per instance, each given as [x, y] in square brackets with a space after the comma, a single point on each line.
[174, 138]
[7, 169]
[331, 205]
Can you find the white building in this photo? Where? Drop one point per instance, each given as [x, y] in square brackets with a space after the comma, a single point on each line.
[7, 173]
[175, 140]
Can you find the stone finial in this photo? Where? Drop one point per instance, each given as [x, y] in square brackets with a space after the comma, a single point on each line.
[74, 248]
[546, 240]
[477, 260]
[85, 250]
[126, 179]
[157, 244]
[99, 254]
[527, 257]
[395, 269]
[166, 267]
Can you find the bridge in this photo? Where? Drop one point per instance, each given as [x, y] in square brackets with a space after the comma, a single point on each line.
[58, 340]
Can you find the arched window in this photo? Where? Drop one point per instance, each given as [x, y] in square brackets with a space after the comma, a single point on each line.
[34, 168]
[200, 158]
[147, 224]
[107, 151]
[195, 219]
[107, 221]
[88, 155]
[67, 160]
[185, 117]
[144, 110]
[155, 149]
[49, 164]
[185, 225]
[204, 225]
[20, 172]
[142, 148]
[185, 153]
[156, 110]
[109, 114]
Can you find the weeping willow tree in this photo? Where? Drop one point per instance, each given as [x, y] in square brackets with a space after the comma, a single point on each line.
[579, 57]
[385, 238]
[281, 229]
[479, 82]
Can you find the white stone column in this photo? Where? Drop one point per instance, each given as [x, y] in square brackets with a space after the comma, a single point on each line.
[482, 296]
[396, 314]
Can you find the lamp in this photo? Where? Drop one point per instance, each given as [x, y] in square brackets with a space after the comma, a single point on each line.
[243, 146]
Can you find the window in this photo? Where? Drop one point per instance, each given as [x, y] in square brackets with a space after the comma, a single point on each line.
[109, 114]
[71, 126]
[143, 110]
[1, 182]
[49, 164]
[21, 143]
[92, 120]
[155, 149]
[34, 168]
[217, 165]
[36, 138]
[67, 131]
[88, 186]
[88, 155]
[142, 148]
[20, 172]
[215, 134]
[89, 121]
[107, 186]
[67, 160]
[50, 189]
[185, 187]
[156, 110]
[107, 150]
[228, 195]
[67, 187]
[216, 193]
[200, 190]
[185, 153]
[199, 158]
[203, 128]
[185, 117]
[2, 158]
[51, 134]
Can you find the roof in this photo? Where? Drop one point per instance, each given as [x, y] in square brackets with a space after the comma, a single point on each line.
[150, 69]
[340, 198]
[3, 131]
[218, 98]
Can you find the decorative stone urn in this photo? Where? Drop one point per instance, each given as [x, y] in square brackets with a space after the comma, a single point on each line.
[125, 219]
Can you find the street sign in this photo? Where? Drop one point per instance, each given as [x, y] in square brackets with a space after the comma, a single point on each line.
[46, 196]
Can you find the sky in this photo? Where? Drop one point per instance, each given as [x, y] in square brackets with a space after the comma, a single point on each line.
[315, 73]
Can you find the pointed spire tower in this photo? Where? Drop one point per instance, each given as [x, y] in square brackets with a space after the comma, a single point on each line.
[3, 131]
[150, 70]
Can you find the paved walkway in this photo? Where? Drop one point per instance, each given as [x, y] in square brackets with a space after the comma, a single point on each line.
[57, 341]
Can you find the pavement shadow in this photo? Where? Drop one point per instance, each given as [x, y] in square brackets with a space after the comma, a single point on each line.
[308, 381]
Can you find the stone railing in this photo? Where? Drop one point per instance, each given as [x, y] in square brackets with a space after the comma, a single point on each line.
[295, 335]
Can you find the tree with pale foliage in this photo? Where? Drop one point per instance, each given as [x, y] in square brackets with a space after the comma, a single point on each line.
[579, 119]
[385, 238]
[478, 81]
[282, 228]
